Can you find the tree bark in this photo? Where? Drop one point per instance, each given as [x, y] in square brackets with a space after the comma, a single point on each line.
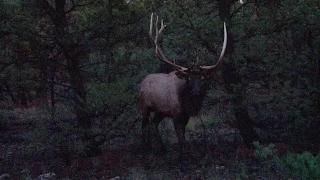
[13, 98]
[41, 90]
[72, 56]
[233, 87]
[232, 81]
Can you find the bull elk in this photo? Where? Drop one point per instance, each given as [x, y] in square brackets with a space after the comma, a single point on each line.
[178, 95]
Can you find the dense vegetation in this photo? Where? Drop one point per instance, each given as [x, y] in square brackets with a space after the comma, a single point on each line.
[76, 65]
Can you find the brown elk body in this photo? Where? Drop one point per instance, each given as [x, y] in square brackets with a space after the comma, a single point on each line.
[178, 95]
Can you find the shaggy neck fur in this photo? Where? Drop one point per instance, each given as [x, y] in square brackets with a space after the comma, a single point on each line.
[191, 103]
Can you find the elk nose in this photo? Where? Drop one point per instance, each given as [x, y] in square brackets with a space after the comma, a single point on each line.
[195, 91]
[196, 94]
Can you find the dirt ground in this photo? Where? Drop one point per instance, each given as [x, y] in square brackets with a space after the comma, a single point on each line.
[221, 159]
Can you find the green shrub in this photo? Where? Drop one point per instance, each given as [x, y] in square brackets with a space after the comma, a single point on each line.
[268, 159]
[264, 152]
[302, 166]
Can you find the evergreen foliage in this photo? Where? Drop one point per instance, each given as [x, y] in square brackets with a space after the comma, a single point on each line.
[302, 166]
[89, 59]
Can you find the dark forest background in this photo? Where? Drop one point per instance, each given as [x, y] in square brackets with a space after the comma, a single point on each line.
[69, 71]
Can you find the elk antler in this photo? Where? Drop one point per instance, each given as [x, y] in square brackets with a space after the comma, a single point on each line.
[209, 68]
[159, 52]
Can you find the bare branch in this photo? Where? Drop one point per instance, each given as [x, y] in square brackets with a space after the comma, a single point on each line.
[79, 5]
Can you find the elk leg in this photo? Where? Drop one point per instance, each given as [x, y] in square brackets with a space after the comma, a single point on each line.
[145, 130]
[180, 125]
[160, 148]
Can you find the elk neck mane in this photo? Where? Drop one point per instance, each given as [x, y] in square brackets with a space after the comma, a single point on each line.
[192, 104]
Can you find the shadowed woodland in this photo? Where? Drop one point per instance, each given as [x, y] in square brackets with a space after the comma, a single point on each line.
[69, 72]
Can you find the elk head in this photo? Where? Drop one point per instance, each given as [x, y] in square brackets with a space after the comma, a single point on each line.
[194, 75]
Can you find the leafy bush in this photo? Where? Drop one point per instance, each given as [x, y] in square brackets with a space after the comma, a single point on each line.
[303, 166]
[138, 173]
[52, 134]
[268, 159]
[264, 152]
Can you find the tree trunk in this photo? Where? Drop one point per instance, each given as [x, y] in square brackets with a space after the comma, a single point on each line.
[84, 120]
[233, 87]
[72, 56]
[232, 81]
[41, 90]
[22, 97]
[13, 98]
[2, 96]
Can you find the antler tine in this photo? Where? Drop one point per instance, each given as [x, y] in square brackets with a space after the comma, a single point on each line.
[157, 34]
[154, 40]
[157, 31]
[224, 42]
[162, 26]
[222, 51]
[151, 24]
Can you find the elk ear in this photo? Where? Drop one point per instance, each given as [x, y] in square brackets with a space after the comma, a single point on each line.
[181, 75]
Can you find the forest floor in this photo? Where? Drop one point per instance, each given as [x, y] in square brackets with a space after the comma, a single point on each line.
[223, 159]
